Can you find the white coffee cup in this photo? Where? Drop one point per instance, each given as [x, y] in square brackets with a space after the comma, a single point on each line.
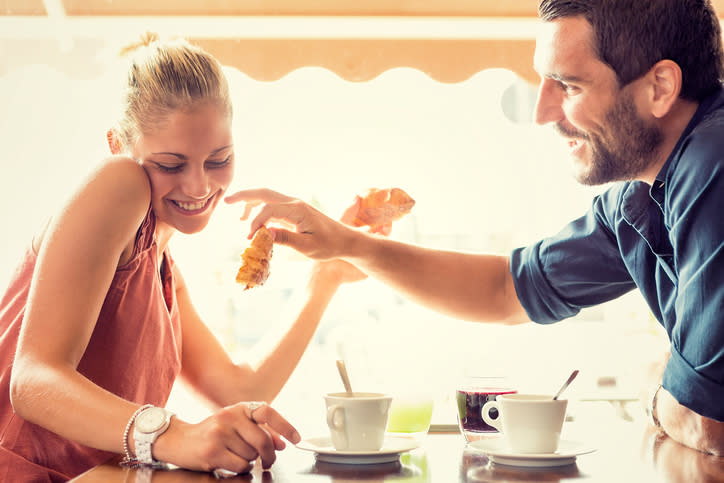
[357, 422]
[530, 423]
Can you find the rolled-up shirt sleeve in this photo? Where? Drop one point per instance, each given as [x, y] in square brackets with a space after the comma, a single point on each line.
[579, 267]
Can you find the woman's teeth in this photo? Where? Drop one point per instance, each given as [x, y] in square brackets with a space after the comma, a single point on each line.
[190, 206]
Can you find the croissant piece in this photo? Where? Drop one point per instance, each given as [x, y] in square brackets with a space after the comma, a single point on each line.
[381, 206]
[254, 268]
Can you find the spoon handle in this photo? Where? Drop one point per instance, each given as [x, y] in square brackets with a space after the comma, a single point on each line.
[565, 384]
[345, 378]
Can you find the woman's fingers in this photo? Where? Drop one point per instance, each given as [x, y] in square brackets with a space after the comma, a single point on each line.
[259, 427]
[268, 416]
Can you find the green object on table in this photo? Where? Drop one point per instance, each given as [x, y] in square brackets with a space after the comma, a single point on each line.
[409, 416]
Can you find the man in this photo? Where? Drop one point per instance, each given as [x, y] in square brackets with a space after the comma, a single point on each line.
[635, 89]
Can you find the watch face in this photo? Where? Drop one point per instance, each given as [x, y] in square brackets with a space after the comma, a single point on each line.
[150, 420]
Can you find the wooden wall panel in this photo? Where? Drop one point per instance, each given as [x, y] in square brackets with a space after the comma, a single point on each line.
[297, 7]
[362, 60]
[22, 7]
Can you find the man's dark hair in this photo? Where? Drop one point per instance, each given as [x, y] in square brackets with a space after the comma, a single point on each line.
[632, 35]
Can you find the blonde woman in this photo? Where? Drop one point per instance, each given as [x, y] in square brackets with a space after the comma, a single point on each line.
[97, 323]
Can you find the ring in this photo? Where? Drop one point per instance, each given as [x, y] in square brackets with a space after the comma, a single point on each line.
[253, 406]
[223, 473]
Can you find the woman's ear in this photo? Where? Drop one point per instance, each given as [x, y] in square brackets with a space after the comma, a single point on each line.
[114, 141]
[665, 78]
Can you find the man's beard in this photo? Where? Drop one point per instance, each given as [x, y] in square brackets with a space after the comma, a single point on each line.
[631, 147]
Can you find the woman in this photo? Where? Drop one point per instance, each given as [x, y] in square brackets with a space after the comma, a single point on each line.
[97, 322]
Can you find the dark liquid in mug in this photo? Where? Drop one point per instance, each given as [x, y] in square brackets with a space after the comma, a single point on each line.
[470, 405]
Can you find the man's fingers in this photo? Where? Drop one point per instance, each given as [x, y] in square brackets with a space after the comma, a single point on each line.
[264, 195]
[291, 214]
[248, 206]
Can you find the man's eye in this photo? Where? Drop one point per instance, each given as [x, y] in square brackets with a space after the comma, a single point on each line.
[569, 88]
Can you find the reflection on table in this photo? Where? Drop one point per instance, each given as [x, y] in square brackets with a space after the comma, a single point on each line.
[625, 451]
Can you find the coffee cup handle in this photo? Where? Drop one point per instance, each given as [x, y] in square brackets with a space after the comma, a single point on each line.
[496, 423]
[335, 417]
[335, 421]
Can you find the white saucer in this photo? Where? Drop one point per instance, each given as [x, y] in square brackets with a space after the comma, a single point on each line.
[390, 451]
[499, 453]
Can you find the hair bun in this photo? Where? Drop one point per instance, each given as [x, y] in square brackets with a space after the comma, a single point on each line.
[147, 38]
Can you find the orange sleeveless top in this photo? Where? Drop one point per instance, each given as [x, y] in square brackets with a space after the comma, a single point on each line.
[134, 352]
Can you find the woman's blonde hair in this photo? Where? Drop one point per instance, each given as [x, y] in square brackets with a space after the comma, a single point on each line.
[164, 76]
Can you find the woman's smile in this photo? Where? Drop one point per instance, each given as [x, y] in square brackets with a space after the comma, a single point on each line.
[191, 208]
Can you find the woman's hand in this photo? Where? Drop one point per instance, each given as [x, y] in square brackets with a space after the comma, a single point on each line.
[232, 439]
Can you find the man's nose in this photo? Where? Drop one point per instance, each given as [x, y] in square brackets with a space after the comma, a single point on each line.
[548, 104]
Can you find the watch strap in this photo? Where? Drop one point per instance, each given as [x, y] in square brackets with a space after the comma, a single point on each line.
[144, 441]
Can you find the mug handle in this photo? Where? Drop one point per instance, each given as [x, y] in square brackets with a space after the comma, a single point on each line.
[497, 422]
[335, 421]
[335, 417]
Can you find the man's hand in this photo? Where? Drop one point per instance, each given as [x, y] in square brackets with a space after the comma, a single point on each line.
[306, 229]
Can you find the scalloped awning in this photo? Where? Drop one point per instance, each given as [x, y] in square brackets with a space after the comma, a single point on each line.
[450, 40]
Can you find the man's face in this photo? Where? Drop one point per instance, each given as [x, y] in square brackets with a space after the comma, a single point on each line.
[608, 139]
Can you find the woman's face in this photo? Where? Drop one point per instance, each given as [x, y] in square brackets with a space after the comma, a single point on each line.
[190, 163]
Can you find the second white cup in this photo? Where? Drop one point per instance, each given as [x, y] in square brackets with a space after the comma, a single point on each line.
[357, 422]
[531, 423]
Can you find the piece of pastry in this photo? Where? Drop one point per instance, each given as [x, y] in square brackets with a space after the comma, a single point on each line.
[381, 206]
[255, 260]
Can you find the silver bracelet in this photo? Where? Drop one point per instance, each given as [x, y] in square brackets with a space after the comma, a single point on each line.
[129, 459]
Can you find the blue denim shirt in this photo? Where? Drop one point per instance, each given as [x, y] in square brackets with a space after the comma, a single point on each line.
[667, 240]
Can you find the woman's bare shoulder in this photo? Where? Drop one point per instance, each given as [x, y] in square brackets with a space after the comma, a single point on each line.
[113, 197]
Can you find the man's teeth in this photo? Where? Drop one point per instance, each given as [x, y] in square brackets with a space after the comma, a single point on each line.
[190, 206]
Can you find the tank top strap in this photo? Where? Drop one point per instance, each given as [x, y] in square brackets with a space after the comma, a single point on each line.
[145, 236]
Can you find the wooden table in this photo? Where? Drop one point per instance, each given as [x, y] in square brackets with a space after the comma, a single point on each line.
[625, 452]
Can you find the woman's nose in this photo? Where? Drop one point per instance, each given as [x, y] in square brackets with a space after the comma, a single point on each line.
[196, 183]
[548, 104]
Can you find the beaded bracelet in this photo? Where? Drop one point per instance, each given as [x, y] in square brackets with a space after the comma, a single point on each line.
[129, 459]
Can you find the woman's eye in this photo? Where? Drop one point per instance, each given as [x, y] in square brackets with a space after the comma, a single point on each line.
[218, 164]
[170, 168]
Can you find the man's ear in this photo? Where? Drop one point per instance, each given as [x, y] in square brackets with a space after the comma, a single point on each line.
[114, 141]
[665, 82]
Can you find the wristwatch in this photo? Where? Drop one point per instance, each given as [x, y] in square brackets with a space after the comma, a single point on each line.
[150, 424]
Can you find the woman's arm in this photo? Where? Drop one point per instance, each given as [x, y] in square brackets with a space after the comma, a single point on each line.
[208, 368]
[77, 259]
